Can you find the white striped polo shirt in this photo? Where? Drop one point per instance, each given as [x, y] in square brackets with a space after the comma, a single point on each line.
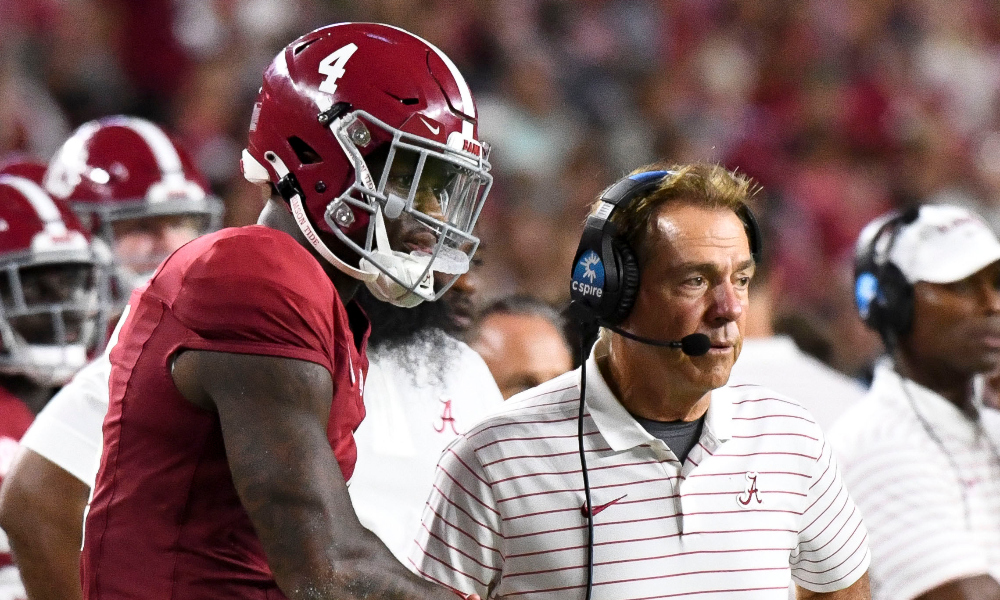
[758, 500]
[914, 503]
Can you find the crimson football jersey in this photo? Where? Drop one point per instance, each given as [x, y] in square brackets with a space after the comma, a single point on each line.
[165, 520]
[14, 421]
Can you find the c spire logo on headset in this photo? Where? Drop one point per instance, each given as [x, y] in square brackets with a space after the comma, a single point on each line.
[588, 275]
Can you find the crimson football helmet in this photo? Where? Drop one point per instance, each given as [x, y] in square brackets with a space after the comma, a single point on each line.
[51, 286]
[126, 169]
[22, 166]
[360, 123]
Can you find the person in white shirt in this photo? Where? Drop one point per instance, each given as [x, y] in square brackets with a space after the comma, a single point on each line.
[424, 388]
[915, 452]
[664, 482]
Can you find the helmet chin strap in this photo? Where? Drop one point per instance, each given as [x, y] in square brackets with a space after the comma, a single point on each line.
[299, 212]
[405, 267]
[302, 219]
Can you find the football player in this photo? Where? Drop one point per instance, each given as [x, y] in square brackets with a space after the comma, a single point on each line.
[137, 189]
[144, 198]
[238, 372]
[49, 280]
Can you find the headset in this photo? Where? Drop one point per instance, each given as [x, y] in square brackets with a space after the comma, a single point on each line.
[604, 286]
[882, 295]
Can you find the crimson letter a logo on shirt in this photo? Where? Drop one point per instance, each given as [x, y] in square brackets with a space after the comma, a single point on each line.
[751, 493]
[447, 420]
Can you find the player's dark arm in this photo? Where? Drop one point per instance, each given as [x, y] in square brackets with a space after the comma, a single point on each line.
[274, 414]
[859, 590]
[980, 587]
[41, 510]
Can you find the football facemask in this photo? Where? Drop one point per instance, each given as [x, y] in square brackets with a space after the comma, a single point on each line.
[49, 322]
[427, 193]
[53, 291]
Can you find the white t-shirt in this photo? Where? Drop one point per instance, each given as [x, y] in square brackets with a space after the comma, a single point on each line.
[409, 420]
[758, 501]
[913, 501]
[68, 430]
[778, 363]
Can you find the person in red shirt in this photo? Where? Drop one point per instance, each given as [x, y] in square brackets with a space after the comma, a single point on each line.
[49, 281]
[238, 372]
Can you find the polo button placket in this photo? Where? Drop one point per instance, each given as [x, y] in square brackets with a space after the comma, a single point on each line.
[703, 450]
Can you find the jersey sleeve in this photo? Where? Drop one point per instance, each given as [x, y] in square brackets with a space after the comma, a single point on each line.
[832, 551]
[258, 292]
[919, 536]
[458, 544]
[68, 430]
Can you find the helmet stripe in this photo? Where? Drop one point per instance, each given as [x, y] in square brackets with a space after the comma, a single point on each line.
[70, 162]
[40, 201]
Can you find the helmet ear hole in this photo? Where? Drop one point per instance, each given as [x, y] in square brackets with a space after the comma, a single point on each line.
[304, 151]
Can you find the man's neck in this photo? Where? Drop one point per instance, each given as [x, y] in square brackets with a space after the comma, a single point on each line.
[649, 391]
[276, 216]
[955, 387]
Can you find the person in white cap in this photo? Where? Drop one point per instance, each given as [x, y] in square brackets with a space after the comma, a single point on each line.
[914, 452]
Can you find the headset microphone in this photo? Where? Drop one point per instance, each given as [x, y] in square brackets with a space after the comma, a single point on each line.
[696, 344]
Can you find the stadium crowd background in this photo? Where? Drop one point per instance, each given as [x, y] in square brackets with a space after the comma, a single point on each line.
[840, 109]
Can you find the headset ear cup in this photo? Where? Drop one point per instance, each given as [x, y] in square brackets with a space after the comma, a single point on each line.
[896, 302]
[628, 289]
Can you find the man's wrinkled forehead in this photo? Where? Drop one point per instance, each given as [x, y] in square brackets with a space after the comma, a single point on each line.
[690, 228]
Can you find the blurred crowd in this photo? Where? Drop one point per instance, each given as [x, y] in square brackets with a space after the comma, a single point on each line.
[840, 109]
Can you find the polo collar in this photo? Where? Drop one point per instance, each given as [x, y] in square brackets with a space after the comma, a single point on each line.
[622, 431]
[719, 418]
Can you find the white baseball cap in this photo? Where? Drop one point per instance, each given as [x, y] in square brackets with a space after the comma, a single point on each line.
[944, 244]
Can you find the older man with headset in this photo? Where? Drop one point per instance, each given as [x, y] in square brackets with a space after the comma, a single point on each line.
[663, 481]
[915, 451]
